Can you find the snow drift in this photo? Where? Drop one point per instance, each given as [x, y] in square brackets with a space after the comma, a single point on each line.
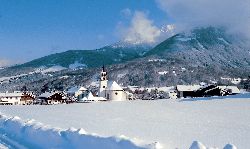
[199, 145]
[31, 134]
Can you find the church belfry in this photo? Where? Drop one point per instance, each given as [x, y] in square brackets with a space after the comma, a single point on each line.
[103, 83]
[103, 74]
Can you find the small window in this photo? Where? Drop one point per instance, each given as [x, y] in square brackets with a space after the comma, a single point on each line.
[103, 86]
[116, 93]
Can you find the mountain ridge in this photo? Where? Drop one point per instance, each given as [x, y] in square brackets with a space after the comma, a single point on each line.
[202, 55]
[90, 58]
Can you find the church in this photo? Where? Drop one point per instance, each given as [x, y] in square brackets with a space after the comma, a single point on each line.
[110, 89]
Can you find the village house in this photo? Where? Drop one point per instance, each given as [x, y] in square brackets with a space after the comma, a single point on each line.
[205, 90]
[78, 92]
[51, 98]
[91, 98]
[187, 90]
[110, 89]
[16, 98]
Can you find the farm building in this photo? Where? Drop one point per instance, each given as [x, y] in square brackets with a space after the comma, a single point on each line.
[16, 98]
[205, 91]
[187, 90]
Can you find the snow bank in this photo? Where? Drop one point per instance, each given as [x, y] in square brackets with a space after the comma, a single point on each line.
[32, 134]
[175, 124]
[230, 146]
[199, 145]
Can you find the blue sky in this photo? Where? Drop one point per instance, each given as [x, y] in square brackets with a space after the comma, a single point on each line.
[30, 29]
[33, 28]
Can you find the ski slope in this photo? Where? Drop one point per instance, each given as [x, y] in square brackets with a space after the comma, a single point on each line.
[174, 124]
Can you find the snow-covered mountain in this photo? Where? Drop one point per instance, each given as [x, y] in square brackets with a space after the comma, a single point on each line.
[200, 47]
[113, 54]
[205, 47]
[203, 54]
[200, 55]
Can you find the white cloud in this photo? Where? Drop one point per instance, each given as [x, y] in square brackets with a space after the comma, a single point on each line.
[234, 14]
[141, 29]
[126, 12]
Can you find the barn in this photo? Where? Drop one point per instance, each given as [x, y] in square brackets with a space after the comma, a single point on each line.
[187, 90]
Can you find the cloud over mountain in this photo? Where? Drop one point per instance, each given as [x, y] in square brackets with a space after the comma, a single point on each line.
[233, 14]
[140, 30]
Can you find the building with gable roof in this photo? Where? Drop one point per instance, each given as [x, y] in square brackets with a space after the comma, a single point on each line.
[110, 89]
[51, 98]
[78, 92]
[91, 98]
[17, 98]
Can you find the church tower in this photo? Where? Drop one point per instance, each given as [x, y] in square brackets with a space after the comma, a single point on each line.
[103, 83]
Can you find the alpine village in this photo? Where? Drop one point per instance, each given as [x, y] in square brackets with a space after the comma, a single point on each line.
[108, 90]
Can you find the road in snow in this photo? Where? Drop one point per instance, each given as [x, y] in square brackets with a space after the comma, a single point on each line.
[174, 124]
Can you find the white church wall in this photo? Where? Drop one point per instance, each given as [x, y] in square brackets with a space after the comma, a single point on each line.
[116, 95]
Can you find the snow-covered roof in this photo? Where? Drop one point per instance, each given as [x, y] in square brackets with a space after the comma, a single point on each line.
[188, 87]
[234, 89]
[113, 86]
[48, 94]
[92, 98]
[16, 94]
[76, 88]
[164, 89]
[11, 94]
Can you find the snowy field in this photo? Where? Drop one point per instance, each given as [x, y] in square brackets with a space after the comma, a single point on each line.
[175, 124]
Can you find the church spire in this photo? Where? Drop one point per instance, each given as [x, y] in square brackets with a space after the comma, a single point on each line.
[103, 83]
[103, 74]
[103, 68]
